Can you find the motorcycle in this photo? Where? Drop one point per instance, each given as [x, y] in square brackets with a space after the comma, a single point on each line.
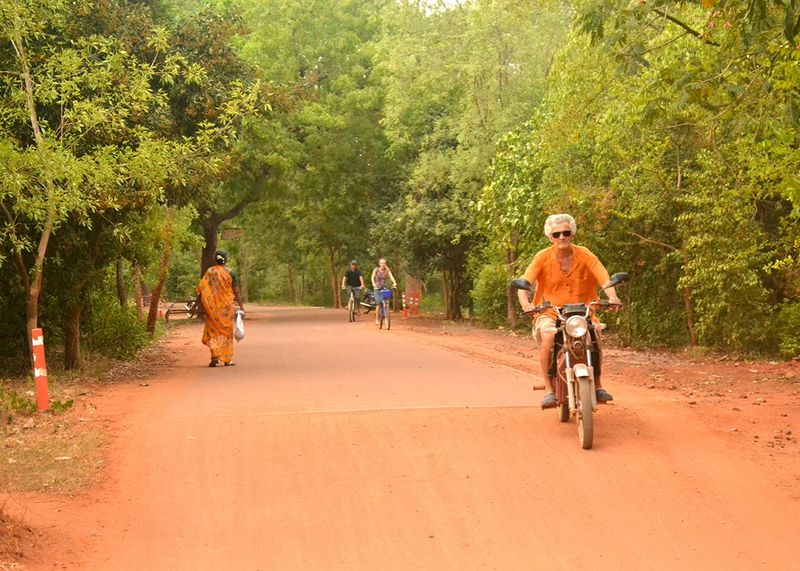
[575, 357]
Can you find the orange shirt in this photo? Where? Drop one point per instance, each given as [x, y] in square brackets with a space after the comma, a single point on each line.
[578, 285]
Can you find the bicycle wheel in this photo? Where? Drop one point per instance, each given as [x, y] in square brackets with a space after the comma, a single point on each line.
[351, 308]
[381, 315]
[388, 313]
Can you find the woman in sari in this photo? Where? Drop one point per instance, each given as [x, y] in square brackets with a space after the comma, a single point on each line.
[217, 291]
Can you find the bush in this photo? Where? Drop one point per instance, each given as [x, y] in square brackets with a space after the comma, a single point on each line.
[489, 294]
[788, 329]
[12, 326]
[115, 331]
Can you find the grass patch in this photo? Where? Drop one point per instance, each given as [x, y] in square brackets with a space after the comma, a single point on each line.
[49, 453]
[14, 403]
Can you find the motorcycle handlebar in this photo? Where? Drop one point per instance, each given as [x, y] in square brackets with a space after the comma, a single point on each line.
[538, 309]
[600, 304]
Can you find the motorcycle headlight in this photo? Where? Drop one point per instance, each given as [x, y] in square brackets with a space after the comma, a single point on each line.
[576, 326]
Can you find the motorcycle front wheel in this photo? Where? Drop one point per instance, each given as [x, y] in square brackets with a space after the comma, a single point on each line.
[585, 420]
[563, 412]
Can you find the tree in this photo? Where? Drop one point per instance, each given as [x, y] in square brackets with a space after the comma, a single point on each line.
[666, 131]
[508, 207]
[345, 177]
[65, 101]
[458, 79]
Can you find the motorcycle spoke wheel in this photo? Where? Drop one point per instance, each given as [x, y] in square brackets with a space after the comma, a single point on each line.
[563, 412]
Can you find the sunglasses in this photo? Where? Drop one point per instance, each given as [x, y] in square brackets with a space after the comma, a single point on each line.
[565, 233]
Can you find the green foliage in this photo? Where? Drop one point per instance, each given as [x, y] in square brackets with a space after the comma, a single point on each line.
[12, 341]
[457, 80]
[13, 403]
[120, 110]
[489, 294]
[339, 175]
[115, 331]
[61, 406]
[673, 142]
[437, 134]
[788, 330]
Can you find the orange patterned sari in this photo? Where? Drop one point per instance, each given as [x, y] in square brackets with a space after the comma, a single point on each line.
[216, 294]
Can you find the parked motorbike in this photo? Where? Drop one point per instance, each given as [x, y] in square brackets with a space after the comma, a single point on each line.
[575, 357]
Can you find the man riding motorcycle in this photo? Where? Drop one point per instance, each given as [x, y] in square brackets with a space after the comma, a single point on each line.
[561, 274]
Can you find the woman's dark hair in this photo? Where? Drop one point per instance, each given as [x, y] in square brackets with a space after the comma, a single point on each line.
[221, 257]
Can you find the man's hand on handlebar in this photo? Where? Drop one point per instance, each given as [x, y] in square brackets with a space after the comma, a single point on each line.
[612, 304]
[529, 309]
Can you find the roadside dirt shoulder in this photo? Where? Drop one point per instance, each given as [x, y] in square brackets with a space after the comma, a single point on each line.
[58, 457]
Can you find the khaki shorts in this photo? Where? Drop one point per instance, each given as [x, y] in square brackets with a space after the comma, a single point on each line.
[539, 324]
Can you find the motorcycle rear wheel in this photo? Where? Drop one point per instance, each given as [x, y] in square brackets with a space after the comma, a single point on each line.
[585, 420]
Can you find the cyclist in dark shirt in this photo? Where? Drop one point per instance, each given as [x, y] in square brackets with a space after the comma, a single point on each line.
[353, 281]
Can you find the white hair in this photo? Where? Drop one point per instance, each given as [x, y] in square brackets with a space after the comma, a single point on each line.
[556, 219]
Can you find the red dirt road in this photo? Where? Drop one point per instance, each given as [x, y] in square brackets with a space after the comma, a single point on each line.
[338, 446]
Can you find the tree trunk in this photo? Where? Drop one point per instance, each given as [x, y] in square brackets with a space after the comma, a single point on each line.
[33, 286]
[34, 289]
[688, 306]
[155, 295]
[337, 294]
[122, 292]
[138, 294]
[291, 282]
[446, 293]
[302, 290]
[72, 336]
[511, 293]
[32, 322]
[210, 228]
[451, 281]
[244, 273]
[687, 291]
[455, 310]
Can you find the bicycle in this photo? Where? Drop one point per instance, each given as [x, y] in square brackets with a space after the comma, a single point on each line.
[384, 309]
[352, 305]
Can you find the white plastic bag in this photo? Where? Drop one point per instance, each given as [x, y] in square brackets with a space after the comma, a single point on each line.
[238, 330]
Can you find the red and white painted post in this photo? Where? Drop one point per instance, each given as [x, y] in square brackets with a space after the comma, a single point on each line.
[405, 307]
[40, 370]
